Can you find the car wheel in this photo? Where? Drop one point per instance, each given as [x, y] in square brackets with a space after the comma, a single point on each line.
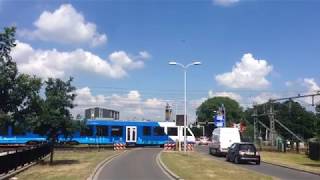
[236, 160]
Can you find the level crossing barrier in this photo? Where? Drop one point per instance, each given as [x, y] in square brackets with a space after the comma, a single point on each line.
[119, 146]
[169, 147]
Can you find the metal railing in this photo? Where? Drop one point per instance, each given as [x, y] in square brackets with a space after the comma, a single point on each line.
[20, 157]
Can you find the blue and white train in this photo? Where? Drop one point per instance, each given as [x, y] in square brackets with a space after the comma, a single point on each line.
[115, 131]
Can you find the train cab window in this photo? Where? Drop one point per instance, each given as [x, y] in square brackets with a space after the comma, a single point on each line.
[146, 131]
[188, 133]
[102, 130]
[116, 131]
[158, 131]
[172, 131]
[87, 131]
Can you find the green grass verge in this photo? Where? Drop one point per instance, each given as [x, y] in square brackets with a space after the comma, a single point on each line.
[196, 166]
[67, 165]
[298, 161]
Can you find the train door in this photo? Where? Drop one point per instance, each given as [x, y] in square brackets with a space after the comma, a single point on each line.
[131, 134]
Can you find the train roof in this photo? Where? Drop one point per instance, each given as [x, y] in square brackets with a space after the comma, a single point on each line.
[127, 122]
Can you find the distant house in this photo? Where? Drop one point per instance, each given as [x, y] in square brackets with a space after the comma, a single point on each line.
[101, 113]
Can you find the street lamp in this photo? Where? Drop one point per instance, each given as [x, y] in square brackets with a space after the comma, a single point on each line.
[185, 67]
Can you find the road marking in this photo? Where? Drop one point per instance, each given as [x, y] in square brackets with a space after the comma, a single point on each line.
[100, 166]
[171, 175]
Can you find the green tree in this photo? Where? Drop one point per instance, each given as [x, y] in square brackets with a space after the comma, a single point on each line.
[206, 111]
[18, 92]
[296, 118]
[55, 119]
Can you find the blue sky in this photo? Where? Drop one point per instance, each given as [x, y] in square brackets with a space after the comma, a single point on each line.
[118, 51]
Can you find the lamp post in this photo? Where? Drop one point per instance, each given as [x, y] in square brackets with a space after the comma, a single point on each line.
[185, 67]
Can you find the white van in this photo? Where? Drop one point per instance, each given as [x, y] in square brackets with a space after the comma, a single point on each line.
[222, 138]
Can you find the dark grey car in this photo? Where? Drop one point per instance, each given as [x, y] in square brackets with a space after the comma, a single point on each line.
[243, 152]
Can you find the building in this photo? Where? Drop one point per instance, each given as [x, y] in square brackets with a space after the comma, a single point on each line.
[101, 113]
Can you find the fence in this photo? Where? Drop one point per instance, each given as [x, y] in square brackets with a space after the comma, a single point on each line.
[19, 158]
[314, 150]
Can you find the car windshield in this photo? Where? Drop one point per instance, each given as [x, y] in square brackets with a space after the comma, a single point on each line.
[247, 147]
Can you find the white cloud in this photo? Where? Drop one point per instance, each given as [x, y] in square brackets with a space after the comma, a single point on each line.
[154, 103]
[85, 98]
[289, 83]
[311, 84]
[131, 105]
[231, 95]
[54, 63]
[263, 98]
[144, 55]
[312, 87]
[225, 2]
[250, 73]
[65, 25]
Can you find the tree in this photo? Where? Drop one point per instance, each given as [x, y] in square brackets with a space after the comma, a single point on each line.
[55, 119]
[206, 111]
[18, 92]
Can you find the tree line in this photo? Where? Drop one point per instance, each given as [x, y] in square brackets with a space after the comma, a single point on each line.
[31, 103]
[292, 114]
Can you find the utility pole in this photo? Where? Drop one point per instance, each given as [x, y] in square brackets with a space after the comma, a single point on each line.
[255, 114]
[272, 127]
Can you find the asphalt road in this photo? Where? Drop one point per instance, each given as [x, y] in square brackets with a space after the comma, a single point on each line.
[276, 171]
[137, 164]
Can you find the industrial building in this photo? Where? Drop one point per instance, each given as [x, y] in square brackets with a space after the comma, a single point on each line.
[101, 113]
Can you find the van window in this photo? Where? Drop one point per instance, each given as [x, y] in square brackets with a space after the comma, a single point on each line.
[188, 133]
[102, 130]
[215, 137]
[158, 131]
[146, 131]
[172, 131]
[116, 131]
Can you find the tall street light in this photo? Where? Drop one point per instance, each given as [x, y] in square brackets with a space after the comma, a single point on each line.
[185, 67]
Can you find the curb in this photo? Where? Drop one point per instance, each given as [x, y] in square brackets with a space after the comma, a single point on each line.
[301, 170]
[166, 170]
[13, 173]
[103, 163]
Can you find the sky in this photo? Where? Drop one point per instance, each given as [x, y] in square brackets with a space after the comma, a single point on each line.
[118, 50]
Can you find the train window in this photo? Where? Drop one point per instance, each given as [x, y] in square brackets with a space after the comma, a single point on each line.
[3, 130]
[172, 131]
[158, 131]
[146, 131]
[86, 131]
[102, 130]
[116, 130]
[17, 130]
[188, 133]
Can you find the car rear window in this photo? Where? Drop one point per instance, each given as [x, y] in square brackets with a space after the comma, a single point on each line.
[247, 147]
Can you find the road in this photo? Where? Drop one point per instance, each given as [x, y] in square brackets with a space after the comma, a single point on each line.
[276, 171]
[135, 164]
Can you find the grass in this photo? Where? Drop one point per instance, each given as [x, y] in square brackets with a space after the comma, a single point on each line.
[298, 161]
[196, 166]
[67, 165]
